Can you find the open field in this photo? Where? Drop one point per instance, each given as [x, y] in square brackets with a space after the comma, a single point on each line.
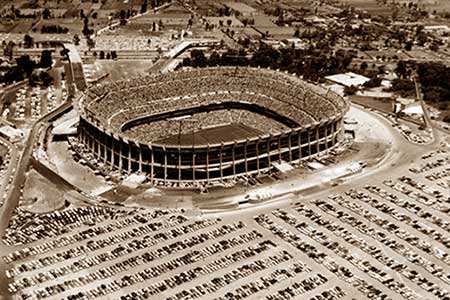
[214, 135]
[118, 70]
[44, 196]
[370, 6]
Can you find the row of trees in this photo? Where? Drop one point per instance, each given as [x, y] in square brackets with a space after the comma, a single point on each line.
[105, 55]
[313, 64]
[433, 77]
[54, 29]
[25, 68]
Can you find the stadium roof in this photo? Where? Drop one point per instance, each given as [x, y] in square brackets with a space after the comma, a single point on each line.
[348, 79]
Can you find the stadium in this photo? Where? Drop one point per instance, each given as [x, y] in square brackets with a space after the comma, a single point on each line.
[208, 125]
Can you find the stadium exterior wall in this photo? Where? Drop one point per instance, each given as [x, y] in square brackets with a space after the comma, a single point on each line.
[210, 163]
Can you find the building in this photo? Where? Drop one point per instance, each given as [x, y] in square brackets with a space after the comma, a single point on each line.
[313, 126]
[11, 133]
[348, 79]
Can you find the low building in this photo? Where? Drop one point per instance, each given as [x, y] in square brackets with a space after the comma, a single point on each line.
[11, 133]
[437, 28]
[348, 79]
[374, 94]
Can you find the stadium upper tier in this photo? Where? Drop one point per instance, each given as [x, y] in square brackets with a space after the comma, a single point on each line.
[120, 106]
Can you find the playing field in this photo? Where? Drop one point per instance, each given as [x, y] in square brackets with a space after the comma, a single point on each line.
[215, 135]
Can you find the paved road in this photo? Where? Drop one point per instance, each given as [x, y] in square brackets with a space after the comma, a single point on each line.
[12, 199]
[396, 162]
[378, 129]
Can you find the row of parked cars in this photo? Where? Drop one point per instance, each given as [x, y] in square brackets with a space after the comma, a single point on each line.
[83, 260]
[85, 217]
[29, 103]
[417, 222]
[298, 241]
[339, 248]
[441, 159]
[243, 271]
[122, 263]
[389, 241]
[150, 274]
[5, 162]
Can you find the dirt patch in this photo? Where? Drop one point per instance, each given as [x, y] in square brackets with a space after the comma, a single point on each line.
[40, 195]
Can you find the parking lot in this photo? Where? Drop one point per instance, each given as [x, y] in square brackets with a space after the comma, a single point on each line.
[32, 103]
[383, 238]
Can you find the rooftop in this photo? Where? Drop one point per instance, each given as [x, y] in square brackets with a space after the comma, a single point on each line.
[348, 79]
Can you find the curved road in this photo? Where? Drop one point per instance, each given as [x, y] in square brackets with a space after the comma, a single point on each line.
[395, 162]
[12, 198]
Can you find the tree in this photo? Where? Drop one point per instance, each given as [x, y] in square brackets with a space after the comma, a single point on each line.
[403, 86]
[364, 66]
[214, 59]
[434, 46]
[102, 55]
[422, 38]
[123, 16]
[447, 119]
[46, 60]
[76, 39]
[408, 45]
[86, 31]
[113, 54]
[264, 57]
[64, 53]
[45, 79]
[198, 58]
[373, 82]
[28, 41]
[229, 22]
[108, 55]
[46, 14]
[350, 90]
[25, 64]
[8, 50]
[401, 69]
[280, 19]
[90, 43]
[144, 6]
[187, 62]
